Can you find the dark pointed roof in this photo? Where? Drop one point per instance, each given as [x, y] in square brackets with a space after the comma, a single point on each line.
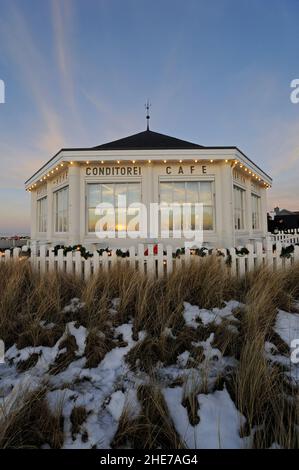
[147, 140]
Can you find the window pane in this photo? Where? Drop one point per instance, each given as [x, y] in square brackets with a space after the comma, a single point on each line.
[239, 208]
[107, 194]
[61, 210]
[207, 218]
[192, 192]
[133, 193]
[205, 192]
[166, 192]
[179, 192]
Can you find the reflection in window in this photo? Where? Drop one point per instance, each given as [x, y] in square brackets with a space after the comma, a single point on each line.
[98, 193]
[187, 192]
[61, 212]
[42, 214]
[255, 205]
[239, 208]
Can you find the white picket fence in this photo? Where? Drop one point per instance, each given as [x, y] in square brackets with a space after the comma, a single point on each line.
[157, 264]
[286, 236]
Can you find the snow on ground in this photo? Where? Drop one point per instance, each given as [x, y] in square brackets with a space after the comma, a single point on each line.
[219, 424]
[287, 326]
[192, 313]
[97, 389]
[110, 388]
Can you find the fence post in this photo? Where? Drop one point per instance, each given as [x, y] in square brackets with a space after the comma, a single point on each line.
[141, 264]
[78, 263]
[132, 257]
[105, 259]
[16, 253]
[277, 255]
[160, 260]
[150, 260]
[42, 259]
[69, 262]
[51, 259]
[86, 269]
[250, 259]
[259, 254]
[241, 265]
[33, 254]
[96, 262]
[7, 255]
[60, 260]
[296, 253]
[269, 252]
[113, 258]
[233, 261]
[169, 259]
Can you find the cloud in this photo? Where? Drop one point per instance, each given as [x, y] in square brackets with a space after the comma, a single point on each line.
[63, 15]
[24, 53]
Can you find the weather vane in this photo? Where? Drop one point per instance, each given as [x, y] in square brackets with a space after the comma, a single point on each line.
[147, 107]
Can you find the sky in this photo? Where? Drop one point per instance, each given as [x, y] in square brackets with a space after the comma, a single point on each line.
[78, 72]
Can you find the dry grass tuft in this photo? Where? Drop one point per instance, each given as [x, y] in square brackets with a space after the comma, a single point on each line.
[153, 428]
[65, 358]
[78, 417]
[31, 424]
[260, 389]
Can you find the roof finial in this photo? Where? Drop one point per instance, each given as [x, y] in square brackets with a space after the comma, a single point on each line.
[147, 107]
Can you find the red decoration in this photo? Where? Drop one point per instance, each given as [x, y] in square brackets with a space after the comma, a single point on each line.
[155, 250]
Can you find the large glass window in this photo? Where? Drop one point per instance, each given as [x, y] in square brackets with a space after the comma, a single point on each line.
[98, 193]
[256, 211]
[188, 192]
[61, 212]
[239, 208]
[42, 214]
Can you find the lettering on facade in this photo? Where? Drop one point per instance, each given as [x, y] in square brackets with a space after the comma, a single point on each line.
[186, 170]
[42, 190]
[61, 178]
[113, 171]
[238, 176]
[255, 187]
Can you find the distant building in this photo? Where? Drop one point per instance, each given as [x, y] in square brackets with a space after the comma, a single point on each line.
[283, 219]
[148, 168]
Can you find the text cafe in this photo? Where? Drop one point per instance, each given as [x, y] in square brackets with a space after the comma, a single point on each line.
[148, 168]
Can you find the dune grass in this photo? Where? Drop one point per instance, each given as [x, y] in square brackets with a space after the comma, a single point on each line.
[258, 388]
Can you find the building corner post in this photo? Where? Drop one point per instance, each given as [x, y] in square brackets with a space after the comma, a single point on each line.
[74, 204]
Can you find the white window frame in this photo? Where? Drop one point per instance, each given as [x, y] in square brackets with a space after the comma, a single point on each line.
[240, 212]
[112, 182]
[64, 212]
[193, 180]
[255, 215]
[41, 214]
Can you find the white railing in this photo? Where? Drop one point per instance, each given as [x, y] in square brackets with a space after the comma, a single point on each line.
[157, 262]
[286, 236]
